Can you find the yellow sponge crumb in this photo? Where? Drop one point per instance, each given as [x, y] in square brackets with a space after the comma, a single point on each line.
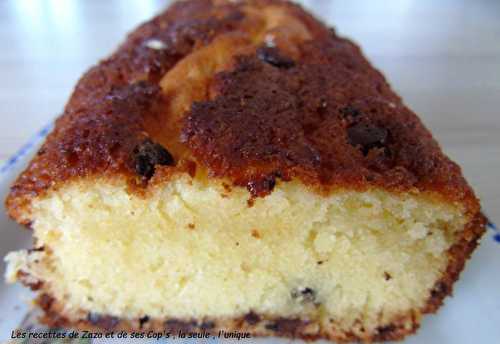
[189, 250]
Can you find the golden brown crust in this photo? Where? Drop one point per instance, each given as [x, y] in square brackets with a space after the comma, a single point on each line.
[254, 324]
[262, 325]
[458, 254]
[317, 112]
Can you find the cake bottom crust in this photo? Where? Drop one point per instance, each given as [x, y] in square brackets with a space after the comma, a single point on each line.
[258, 325]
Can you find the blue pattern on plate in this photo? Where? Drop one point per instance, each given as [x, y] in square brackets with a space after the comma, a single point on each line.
[496, 236]
[26, 148]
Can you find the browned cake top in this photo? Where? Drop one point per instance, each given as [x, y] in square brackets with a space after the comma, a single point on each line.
[329, 118]
[307, 106]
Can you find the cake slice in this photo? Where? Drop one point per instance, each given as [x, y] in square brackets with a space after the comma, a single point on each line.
[237, 166]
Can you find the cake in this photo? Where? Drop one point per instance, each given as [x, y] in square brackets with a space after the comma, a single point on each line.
[238, 166]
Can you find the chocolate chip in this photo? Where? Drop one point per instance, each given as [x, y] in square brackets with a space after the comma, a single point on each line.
[350, 111]
[367, 136]
[252, 318]
[147, 155]
[439, 290]
[143, 320]
[304, 295]
[387, 276]
[263, 186]
[273, 56]
[36, 249]
[385, 330]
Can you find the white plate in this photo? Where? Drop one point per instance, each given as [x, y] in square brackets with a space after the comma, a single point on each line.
[472, 315]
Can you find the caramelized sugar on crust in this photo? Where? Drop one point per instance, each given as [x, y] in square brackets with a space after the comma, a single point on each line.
[328, 119]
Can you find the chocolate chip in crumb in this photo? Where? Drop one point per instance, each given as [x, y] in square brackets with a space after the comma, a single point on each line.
[304, 295]
[252, 318]
[143, 320]
[273, 56]
[147, 155]
[385, 330]
[367, 136]
[387, 276]
[36, 249]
